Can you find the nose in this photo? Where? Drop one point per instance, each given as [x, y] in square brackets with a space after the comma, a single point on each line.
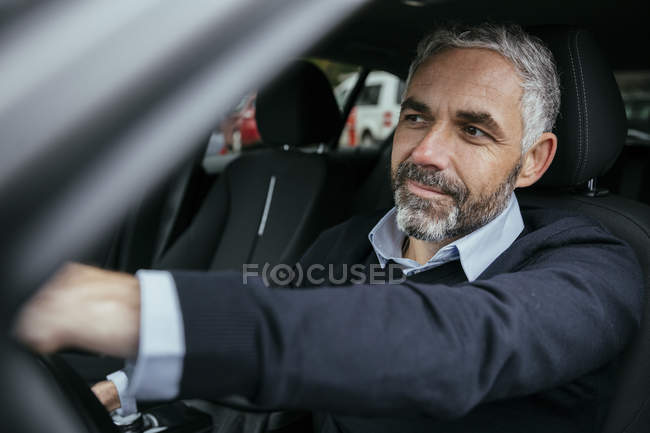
[435, 147]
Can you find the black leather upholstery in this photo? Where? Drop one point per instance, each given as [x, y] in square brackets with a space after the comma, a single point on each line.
[630, 175]
[591, 127]
[286, 189]
[299, 108]
[224, 232]
[591, 133]
[376, 191]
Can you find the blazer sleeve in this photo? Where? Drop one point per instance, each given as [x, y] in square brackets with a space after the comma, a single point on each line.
[412, 348]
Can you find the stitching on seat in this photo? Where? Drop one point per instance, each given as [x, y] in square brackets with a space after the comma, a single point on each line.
[575, 81]
[585, 155]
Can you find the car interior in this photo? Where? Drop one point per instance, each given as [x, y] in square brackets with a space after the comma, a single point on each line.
[268, 204]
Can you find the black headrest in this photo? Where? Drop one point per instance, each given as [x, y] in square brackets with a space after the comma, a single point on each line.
[298, 108]
[591, 127]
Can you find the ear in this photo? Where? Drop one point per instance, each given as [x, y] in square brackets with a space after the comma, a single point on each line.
[537, 160]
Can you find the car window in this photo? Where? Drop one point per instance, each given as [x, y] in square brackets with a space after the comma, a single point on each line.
[371, 121]
[369, 95]
[237, 132]
[375, 112]
[234, 132]
[635, 89]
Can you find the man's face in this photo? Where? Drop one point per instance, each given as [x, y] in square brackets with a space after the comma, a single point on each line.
[457, 146]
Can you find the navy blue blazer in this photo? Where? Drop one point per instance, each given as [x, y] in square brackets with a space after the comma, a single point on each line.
[528, 346]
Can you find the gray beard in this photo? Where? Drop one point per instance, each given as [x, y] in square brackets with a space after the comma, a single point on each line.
[453, 216]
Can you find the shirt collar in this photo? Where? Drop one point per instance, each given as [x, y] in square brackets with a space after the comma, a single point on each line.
[476, 250]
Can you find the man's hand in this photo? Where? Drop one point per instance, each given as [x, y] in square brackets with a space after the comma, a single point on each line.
[107, 394]
[86, 308]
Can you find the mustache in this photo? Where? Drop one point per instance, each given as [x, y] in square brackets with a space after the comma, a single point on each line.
[429, 177]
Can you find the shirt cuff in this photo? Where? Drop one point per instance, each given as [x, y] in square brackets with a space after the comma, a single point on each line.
[127, 401]
[159, 365]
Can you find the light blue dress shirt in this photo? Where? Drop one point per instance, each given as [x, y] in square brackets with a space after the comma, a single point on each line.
[475, 250]
[157, 371]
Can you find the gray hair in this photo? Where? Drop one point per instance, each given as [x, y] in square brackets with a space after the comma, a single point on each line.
[533, 61]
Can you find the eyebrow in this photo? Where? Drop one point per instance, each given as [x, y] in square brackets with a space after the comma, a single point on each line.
[481, 118]
[412, 104]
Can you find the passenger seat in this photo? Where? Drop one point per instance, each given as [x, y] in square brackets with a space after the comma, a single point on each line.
[269, 205]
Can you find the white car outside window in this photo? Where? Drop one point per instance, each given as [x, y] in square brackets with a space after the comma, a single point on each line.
[376, 111]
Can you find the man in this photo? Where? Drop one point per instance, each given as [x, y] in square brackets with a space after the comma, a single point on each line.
[501, 322]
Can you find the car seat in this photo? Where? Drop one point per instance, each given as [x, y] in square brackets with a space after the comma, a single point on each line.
[267, 206]
[591, 130]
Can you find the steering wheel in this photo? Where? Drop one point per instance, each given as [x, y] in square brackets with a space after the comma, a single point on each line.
[42, 393]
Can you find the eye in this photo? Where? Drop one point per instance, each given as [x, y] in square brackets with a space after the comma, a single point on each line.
[414, 118]
[474, 131]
